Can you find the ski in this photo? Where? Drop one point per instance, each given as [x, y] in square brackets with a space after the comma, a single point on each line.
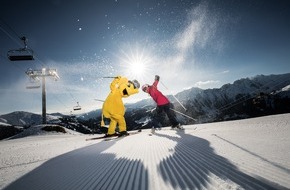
[102, 137]
[120, 137]
[181, 128]
[107, 138]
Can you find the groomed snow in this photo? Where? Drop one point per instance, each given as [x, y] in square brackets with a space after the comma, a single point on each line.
[243, 154]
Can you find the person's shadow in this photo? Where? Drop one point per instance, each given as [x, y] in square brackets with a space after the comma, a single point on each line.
[86, 168]
[194, 165]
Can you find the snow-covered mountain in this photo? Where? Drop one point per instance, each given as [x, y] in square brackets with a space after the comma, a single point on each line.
[237, 99]
[22, 118]
[19, 121]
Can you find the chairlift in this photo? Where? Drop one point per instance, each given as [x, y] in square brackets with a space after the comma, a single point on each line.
[32, 86]
[78, 107]
[22, 54]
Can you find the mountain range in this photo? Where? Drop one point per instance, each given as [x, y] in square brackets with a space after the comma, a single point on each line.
[245, 98]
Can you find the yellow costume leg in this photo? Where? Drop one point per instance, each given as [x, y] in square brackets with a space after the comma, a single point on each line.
[121, 121]
[112, 126]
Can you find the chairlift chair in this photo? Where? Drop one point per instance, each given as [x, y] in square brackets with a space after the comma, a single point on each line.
[33, 85]
[22, 54]
[78, 107]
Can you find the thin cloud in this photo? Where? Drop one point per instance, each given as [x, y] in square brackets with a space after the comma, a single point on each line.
[225, 72]
[202, 84]
[197, 34]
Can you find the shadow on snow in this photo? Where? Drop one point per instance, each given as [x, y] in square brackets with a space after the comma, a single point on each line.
[85, 168]
[193, 165]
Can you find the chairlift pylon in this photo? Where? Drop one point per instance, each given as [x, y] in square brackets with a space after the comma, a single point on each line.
[22, 54]
[78, 107]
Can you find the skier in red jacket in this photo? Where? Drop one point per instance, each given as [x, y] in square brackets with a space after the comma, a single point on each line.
[163, 105]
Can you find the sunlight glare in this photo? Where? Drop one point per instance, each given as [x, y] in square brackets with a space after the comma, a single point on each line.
[136, 63]
[137, 66]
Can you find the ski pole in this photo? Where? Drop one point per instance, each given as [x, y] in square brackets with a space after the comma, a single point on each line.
[99, 100]
[183, 114]
[109, 77]
[151, 110]
[106, 77]
[174, 97]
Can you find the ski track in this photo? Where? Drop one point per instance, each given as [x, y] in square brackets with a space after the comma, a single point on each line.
[166, 160]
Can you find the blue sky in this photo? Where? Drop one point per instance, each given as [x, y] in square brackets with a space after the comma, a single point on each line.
[189, 43]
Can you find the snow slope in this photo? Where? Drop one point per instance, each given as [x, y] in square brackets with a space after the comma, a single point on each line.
[242, 154]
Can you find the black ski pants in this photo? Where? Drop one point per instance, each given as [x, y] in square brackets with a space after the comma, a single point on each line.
[158, 116]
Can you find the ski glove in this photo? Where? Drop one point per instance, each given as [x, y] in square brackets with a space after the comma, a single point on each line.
[157, 77]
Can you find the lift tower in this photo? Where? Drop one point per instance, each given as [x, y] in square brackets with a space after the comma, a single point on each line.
[36, 75]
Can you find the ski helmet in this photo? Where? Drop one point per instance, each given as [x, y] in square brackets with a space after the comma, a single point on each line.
[136, 83]
[144, 87]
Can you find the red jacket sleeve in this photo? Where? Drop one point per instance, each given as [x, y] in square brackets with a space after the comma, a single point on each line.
[155, 83]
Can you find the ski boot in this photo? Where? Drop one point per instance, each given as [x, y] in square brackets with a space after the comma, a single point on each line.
[178, 126]
[111, 135]
[153, 130]
[123, 134]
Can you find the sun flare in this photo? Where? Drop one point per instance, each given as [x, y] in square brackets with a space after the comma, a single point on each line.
[137, 66]
[136, 63]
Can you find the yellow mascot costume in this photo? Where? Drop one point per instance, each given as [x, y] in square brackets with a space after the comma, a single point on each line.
[113, 107]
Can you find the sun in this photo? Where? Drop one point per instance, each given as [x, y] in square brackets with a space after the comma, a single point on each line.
[137, 67]
[135, 62]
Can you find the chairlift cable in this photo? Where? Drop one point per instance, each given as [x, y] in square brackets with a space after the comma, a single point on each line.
[8, 34]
